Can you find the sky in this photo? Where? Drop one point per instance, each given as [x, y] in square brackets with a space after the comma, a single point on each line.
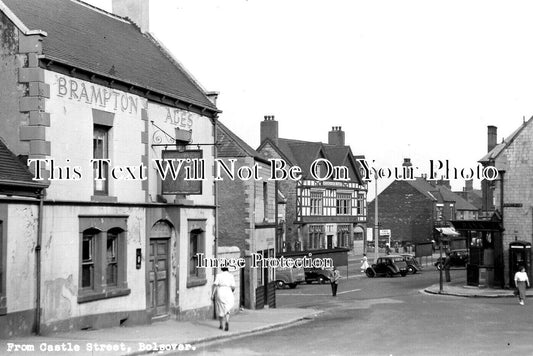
[418, 79]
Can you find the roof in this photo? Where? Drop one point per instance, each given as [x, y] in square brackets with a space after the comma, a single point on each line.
[84, 37]
[304, 153]
[498, 149]
[231, 145]
[14, 174]
[423, 187]
[460, 202]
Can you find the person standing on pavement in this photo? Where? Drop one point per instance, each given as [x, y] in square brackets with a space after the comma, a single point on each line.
[222, 294]
[521, 280]
[364, 264]
[335, 281]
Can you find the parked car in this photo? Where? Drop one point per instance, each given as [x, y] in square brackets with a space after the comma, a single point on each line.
[412, 264]
[317, 275]
[458, 258]
[388, 266]
[289, 277]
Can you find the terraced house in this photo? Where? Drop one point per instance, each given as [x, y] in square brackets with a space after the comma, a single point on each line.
[110, 242]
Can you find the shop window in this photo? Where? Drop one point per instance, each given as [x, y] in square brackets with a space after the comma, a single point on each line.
[196, 276]
[102, 259]
[101, 152]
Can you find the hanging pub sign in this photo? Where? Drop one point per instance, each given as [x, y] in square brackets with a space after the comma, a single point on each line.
[181, 172]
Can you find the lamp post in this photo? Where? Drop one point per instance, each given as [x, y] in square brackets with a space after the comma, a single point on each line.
[441, 263]
[376, 223]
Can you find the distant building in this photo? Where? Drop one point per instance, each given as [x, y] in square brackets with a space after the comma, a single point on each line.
[319, 214]
[412, 209]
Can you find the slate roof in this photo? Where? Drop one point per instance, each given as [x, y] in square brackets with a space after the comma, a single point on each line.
[423, 187]
[231, 145]
[460, 202]
[440, 194]
[93, 40]
[498, 149]
[303, 153]
[13, 173]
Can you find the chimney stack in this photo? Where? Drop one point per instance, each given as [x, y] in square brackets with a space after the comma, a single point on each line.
[492, 137]
[135, 10]
[407, 162]
[269, 129]
[212, 96]
[336, 136]
[469, 185]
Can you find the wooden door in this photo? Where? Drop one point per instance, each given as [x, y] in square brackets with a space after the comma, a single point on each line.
[158, 273]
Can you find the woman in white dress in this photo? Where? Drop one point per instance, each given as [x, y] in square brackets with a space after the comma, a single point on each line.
[520, 281]
[223, 288]
[364, 264]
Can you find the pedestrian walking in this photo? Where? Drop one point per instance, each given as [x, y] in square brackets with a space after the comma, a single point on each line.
[364, 263]
[520, 281]
[222, 294]
[335, 281]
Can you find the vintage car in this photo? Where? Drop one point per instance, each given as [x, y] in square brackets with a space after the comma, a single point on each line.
[289, 277]
[389, 266]
[458, 258]
[317, 275]
[412, 264]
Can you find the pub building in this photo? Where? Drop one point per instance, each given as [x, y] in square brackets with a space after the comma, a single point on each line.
[81, 86]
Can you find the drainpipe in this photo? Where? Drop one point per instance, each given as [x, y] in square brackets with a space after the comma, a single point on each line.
[38, 264]
[215, 153]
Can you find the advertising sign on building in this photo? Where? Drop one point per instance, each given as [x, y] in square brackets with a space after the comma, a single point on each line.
[184, 172]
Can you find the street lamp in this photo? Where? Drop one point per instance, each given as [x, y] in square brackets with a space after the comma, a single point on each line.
[376, 223]
[441, 263]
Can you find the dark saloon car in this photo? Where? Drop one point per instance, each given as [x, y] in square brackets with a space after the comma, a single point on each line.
[412, 264]
[458, 258]
[389, 266]
[317, 275]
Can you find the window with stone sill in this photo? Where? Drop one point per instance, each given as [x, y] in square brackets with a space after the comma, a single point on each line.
[102, 260]
[196, 276]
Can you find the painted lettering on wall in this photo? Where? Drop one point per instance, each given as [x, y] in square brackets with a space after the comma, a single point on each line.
[179, 118]
[91, 94]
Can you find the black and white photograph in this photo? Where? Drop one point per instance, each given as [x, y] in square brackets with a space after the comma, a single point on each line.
[266, 177]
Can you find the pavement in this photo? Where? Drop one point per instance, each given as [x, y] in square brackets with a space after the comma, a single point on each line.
[459, 288]
[159, 338]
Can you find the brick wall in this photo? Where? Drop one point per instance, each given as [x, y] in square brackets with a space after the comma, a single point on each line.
[405, 211]
[288, 189]
[518, 189]
[234, 216]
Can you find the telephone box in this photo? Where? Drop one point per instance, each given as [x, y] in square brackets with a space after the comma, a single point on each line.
[519, 255]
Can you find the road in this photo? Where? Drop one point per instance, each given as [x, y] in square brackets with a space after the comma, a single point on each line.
[390, 316]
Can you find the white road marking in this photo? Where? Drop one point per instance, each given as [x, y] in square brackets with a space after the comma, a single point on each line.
[305, 294]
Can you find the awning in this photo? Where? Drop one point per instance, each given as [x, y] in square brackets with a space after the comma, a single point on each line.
[448, 231]
[477, 225]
